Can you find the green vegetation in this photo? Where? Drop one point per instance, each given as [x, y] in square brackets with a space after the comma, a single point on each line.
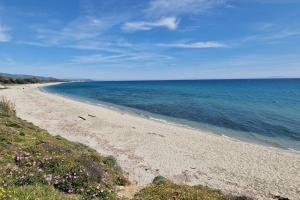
[12, 80]
[34, 192]
[35, 165]
[159, 180]
[162, 189]
[30, 156]
[6, 107]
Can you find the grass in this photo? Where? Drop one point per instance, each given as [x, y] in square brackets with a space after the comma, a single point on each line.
[35, 165]
[34, 192]
[29, 156]
[7, 107]
[162, 189]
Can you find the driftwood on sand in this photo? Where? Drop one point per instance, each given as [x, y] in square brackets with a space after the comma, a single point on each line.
[82, 118]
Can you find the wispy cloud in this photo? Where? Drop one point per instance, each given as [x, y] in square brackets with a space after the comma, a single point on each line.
[170, 23]
[90, 30]
[4, 34]
[157, 8]
[117, 58]
[195, 45]
[181, 7]
[115, 46]
[286, 34]
[95, 19]
[270, 33]
[79, 29]
[96, 58]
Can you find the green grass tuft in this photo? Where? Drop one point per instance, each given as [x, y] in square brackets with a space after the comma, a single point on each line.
[7, 107]
[35, 192]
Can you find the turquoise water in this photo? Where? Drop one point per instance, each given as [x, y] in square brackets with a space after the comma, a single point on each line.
[263, 111]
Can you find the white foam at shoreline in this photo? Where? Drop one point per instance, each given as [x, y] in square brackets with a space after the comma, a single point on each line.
[293, 150]
[160, 120]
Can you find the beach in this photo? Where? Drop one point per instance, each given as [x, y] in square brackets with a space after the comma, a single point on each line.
[147, 148]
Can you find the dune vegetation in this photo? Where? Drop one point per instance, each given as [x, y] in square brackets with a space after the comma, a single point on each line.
[170, 191]
[37, 165]
[30, 157]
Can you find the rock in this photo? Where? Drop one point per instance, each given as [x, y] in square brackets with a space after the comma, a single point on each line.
[280, 198]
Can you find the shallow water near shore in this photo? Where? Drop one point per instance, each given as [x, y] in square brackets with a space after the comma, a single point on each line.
[263, 111]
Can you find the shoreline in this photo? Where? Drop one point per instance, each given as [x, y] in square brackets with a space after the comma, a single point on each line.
[208, 129]
[146, 148]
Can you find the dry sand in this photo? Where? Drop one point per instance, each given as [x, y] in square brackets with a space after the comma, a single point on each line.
[145, 148]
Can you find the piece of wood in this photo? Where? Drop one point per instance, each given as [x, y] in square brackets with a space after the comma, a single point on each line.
[82, 118]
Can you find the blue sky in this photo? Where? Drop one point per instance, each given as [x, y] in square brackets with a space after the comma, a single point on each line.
[150, 39]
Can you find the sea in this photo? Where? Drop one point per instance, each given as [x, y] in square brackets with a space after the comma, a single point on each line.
[263, 111]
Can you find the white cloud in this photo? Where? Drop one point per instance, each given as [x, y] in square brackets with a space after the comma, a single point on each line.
[196, 45]
[170, 23]
[80, 29]
[4, 36]
[96, 58]
[118, 58]
[158, 8]
[179, 7]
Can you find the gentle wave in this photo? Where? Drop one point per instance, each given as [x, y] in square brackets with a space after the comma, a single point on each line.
[160, 120]
[293, 150]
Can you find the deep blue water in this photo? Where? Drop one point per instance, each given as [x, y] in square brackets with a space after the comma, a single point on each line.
[265, 111]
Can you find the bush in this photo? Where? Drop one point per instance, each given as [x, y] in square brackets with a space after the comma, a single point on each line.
[7, 107]
[159, 180]
[170, 191]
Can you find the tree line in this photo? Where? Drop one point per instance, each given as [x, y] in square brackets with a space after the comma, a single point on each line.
[11, 80]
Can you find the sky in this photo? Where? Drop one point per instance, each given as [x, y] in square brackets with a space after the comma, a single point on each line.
[150, 39]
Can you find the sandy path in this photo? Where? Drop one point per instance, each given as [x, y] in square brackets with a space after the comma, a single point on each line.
[146, 148]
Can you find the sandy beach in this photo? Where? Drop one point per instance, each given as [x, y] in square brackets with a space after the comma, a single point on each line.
[146, 148]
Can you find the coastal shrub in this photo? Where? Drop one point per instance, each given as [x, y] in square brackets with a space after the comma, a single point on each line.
[95, 172]
[170, 191]
[159, 180]
[110, 161]
[163, 189]
[7, 107]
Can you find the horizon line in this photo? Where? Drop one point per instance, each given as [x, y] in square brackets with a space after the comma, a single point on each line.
[209, 79]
